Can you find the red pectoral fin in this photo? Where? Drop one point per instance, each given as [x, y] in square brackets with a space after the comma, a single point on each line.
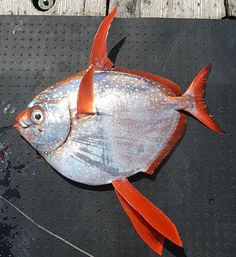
[98, 56]
[85, 99]
[149, 235]
[149, 212]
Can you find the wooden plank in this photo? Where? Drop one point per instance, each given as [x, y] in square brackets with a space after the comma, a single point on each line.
[207, 9]
[182, 9]
[231, 8]
[97, 7]
[150, 8]
[127, 8]
[61, 7]
[213, 9]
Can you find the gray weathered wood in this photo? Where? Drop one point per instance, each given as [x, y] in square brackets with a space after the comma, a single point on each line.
[127, 8]
[212, 9]
[61, 7]
[97, 6]
[231, 8]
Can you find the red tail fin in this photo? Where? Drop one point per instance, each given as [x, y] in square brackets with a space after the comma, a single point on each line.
[151, 223]
[199, 110]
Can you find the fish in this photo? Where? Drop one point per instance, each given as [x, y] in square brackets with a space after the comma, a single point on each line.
[105, 124]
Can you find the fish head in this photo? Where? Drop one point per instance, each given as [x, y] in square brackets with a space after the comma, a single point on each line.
[46, 123]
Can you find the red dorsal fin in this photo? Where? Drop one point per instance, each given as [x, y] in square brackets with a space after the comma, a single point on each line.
[149, 212]
[85, 99]
[158, 79]
[149, 235]
[98, 56]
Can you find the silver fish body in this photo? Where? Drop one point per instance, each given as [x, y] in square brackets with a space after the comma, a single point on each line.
[134, 120]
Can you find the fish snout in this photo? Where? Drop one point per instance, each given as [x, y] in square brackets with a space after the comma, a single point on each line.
[23, 120]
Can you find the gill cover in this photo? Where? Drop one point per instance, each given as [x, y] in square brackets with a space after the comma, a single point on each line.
[54, 129]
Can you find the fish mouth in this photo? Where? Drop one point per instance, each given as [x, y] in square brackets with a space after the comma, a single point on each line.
[20, 124]
[22, 120]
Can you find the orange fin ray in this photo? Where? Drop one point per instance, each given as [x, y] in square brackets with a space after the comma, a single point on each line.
[156, 78]
[85, 98]
[149, 235]
[98, 56]
[148, 211]
[196, 91]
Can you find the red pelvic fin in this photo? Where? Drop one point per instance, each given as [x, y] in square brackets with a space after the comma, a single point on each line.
[98, 56]
[149, 235]
[148, 211]
[85, 98]
[158, 79]
[173, 141]
[199, 110]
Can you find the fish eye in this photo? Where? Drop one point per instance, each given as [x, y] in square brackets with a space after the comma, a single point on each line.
[37, 116]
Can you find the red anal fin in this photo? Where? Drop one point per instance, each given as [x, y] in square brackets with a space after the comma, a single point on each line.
[148, 211]
[85, 98]
[149, 235]
[158, 79]
[199, 110]
[98, 56]
[173, 141]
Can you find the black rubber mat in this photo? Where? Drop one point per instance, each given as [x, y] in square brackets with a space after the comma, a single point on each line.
[196, 185]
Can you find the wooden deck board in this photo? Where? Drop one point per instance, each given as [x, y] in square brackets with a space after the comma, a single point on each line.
[231, 8]
[207, 9]
[202, 9]
[61, 7]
